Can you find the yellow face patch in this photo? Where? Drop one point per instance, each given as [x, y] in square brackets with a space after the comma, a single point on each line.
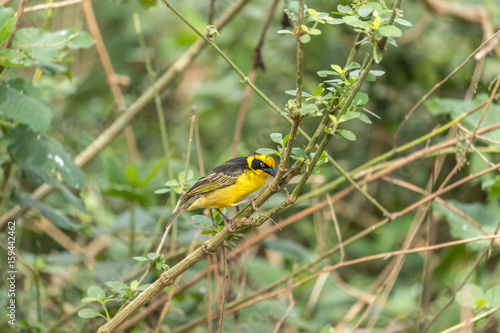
[264, 158]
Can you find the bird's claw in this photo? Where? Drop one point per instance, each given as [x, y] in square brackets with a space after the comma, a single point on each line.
[251, 200]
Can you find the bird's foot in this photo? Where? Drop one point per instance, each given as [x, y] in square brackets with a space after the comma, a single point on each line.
[251, 200]
[227, 220]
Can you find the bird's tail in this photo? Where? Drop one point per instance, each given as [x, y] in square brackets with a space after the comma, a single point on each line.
[183, 208]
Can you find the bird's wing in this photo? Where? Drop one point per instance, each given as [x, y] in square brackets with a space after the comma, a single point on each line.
[211, 182]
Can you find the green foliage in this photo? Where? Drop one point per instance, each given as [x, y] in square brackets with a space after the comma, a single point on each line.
[105, 217]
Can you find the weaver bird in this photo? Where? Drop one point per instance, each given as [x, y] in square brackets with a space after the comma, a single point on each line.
[227, 185]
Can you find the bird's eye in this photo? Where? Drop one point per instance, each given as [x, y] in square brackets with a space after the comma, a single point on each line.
[262, 165]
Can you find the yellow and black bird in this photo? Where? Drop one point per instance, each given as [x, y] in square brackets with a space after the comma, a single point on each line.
[227, 185]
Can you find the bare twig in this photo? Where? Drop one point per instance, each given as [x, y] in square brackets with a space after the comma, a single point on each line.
[466, 278]
[113, 79]
[257, 63]
[291, 300]
[439, 84]
[226, 278]
[337, 229]
[52, 5]
[133, 110]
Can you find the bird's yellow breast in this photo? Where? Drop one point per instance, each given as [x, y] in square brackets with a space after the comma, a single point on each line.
[249, 182]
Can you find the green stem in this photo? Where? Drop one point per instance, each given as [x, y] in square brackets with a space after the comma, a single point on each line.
[132, 230]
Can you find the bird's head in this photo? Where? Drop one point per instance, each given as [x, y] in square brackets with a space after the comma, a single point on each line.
[262, 164]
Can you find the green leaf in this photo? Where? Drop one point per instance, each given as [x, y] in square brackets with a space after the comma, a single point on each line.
[82, 40]
[353, 21]
[14, 58]
[284, 31]
[377, 54]
[119, 286]
[146, 4]
[456, 107]
[41, 177]
[294, 93]
[90, 299]
[337, 69]
[21, 102]
[182, 176]
[59, 219]
[267, 151]
[89, 313]
[141, 258]
[360, 99]
[304, 39]
[44, 46]
[171, 183]
[315, 32]
[352, 65]
[325, 73]
[45, 153]
[365, 10]
[7, 23]
[344, 9]
[493, 186]
[308, 109]
[403, 22]
[468, 295]
[348, 116]
[277, 137]
[162, 190]
[347, 134]
[201, 219]
[96, 292]
[492, 296]
[335, 21]
[126, 192]
[143, 287]
[390, 31]
[364, 118]
[460, 228]
[153, 256]
[300, 153]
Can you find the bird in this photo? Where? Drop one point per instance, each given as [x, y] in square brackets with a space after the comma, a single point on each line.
[227, 185]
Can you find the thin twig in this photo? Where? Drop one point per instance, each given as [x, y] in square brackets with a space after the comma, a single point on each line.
[52, 5]
[113, 79]
[257, 63]
[464, 281]
[223, 301]
[337, 229]
[110, 133]
[439, 84]
[290, 299]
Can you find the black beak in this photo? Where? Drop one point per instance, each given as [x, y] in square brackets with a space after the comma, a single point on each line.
[270, 171]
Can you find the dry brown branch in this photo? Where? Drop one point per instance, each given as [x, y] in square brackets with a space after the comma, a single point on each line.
[291, 300]
[52, 5]
[439, 84]
[111, 76]
[257, 63]
[337, 229]
[110, 133]
[454, 209]
[467, 277]
[383, 256]
[224, 292]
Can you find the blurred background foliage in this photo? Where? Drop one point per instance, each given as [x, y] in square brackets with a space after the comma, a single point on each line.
[93, 241]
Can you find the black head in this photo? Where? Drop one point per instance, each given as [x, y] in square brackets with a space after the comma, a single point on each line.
[259, 162]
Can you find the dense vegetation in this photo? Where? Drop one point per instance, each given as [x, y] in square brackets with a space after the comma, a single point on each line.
[382, 117]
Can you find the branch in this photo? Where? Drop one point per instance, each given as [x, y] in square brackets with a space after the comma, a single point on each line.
[108, 135]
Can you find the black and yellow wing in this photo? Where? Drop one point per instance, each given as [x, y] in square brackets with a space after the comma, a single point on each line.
[222, 176]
